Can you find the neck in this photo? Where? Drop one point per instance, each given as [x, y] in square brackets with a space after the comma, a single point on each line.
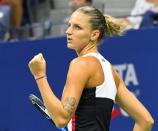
[88, 49]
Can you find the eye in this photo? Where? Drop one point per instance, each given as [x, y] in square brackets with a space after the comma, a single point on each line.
[77, 27]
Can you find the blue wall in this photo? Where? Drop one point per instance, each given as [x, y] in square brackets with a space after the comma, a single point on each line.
[133, 55]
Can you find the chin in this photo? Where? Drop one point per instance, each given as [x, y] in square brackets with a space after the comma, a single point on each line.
[70, 46]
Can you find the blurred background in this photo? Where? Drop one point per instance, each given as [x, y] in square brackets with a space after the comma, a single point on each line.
[28, 27]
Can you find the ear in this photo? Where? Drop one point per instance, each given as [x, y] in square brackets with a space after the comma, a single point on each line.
[95, 35]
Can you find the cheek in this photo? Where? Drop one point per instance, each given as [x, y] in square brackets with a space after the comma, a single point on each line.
[84, 39]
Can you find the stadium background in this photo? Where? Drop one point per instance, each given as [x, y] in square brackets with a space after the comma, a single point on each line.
[134, 56]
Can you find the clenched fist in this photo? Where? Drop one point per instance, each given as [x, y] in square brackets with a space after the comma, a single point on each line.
[38, 66]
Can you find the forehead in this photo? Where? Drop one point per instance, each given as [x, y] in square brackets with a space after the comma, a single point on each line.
[79, 17]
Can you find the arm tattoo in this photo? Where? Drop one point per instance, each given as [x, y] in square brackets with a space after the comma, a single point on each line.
[69, 105]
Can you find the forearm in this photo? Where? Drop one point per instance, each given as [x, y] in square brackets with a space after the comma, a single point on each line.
[142, 127]
[52, 103]
[143, 119]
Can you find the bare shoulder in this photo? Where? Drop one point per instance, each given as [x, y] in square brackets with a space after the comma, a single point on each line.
[84, 62]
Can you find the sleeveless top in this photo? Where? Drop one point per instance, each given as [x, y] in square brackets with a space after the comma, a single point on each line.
[94, 110]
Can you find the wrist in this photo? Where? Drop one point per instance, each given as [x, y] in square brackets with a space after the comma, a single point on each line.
[40, 77]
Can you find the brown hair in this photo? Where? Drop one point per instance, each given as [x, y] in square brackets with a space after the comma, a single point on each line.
[107, 25]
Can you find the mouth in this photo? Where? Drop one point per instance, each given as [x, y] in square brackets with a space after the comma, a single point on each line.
[69, 40]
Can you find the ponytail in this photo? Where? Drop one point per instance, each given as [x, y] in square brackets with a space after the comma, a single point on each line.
[113, 26]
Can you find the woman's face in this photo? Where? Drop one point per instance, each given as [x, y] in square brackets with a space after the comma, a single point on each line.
[78, 31]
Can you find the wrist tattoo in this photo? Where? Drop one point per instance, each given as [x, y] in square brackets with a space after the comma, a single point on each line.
[69, 105]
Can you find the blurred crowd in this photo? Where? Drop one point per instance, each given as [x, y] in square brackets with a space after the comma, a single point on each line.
[143, 15]
[19, 19]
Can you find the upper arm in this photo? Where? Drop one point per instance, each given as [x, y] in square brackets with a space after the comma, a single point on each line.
[128, 101]
[77, 78]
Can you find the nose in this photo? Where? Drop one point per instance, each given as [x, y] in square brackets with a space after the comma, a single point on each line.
[69, 30]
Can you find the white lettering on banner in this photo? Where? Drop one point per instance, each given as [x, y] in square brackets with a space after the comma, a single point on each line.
[128, 73]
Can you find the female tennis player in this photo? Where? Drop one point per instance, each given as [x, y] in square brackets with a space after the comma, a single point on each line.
[92, 83]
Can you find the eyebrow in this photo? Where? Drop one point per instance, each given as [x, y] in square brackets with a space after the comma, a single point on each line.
[76, 24]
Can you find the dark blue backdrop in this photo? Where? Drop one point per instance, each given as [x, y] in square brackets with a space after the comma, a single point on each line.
[133, 55]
